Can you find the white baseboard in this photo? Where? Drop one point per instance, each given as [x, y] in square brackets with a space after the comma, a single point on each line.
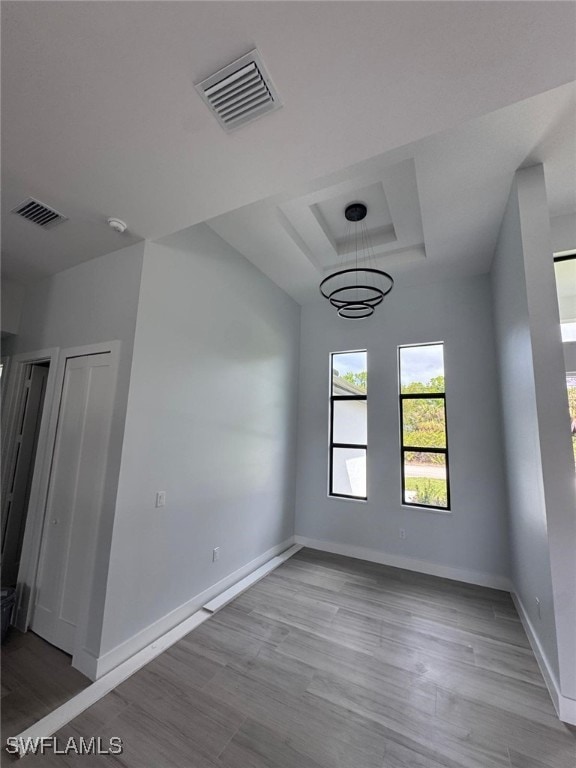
[86, 662]
[228, 589]
[228, 595]
[127, 649]
[408, 563]
[565, 707]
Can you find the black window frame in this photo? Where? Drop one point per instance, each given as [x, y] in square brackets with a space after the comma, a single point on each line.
[564, 256]
[332, 445]
[412, 448]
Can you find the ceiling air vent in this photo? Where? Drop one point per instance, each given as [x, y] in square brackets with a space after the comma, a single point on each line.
[240, 92]
[38, 213]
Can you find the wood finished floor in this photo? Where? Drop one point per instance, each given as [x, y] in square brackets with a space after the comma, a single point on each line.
[331, 662]
[36, 678]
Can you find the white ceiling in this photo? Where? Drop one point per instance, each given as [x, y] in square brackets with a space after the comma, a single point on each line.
[317, 225]
[100, 117]
[463, 176]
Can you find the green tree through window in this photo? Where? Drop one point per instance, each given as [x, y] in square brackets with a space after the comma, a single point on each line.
[424, 445]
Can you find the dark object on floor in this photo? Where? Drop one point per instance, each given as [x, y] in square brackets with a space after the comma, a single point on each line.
[8, 599]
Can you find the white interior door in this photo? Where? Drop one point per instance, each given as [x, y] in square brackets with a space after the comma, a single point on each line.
[75, 495]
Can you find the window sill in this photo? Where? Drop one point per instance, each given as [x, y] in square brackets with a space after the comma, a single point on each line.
[346, 498]
[435, 510]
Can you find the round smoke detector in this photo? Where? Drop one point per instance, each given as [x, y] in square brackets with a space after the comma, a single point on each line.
[117, 225]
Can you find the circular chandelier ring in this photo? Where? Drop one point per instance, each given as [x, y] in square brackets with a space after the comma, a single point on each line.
[356, 310]
[357, 299]
[372, 301]
[362, 270]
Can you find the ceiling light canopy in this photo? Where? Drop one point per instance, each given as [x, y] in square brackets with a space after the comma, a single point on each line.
[356, 292]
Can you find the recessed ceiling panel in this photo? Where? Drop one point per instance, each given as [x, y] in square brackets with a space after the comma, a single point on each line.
[341, 232]
[393, 223]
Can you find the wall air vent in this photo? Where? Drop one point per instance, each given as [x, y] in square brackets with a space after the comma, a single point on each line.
[38, 213]
[240, 92]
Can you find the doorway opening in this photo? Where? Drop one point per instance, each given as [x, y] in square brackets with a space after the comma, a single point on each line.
[57, 427]
[21, 471]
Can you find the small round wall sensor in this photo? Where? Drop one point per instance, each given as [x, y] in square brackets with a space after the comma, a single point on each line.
[117, 225]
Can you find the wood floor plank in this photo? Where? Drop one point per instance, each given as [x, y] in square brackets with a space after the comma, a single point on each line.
[96, 718]
[413, 719]
[258, 627]
[17, 707]
[508, 661]
[400, 756]
[403, 599]
[153, 742]
[294, 609]
[277, 670]
[356, 630]
[333, 656]
[221, 647]
[485, 686]
[546, 740]
[522, 760]
[36, 678]
[256, 746]
[175, 672]
[332, 662]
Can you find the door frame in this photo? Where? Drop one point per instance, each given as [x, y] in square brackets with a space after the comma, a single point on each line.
[84, 654]
[41, 472]
[28, 572]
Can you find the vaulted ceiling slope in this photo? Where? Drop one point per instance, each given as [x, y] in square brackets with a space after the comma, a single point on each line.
[461, 182]
[100, 116]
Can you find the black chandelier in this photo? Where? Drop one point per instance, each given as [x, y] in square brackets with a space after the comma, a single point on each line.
[355, 292]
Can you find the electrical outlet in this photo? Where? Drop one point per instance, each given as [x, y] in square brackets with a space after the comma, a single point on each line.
[215, 554]
[538, 607]
[402, 533]
[161, 499]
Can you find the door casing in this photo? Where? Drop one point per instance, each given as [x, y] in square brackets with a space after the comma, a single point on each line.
[25, 592]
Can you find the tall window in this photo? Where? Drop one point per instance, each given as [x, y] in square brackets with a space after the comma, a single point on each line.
[348, 425]
[565, 270]
[571, 385]
[423, 437]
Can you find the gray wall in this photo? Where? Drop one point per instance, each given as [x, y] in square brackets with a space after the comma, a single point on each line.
[211, 421]
[93, 302]
[540, 471]
[563, 232]
[474, 536]
[12, 297]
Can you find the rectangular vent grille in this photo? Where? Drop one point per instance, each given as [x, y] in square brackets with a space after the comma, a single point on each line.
[240, 92]
[38, 213]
